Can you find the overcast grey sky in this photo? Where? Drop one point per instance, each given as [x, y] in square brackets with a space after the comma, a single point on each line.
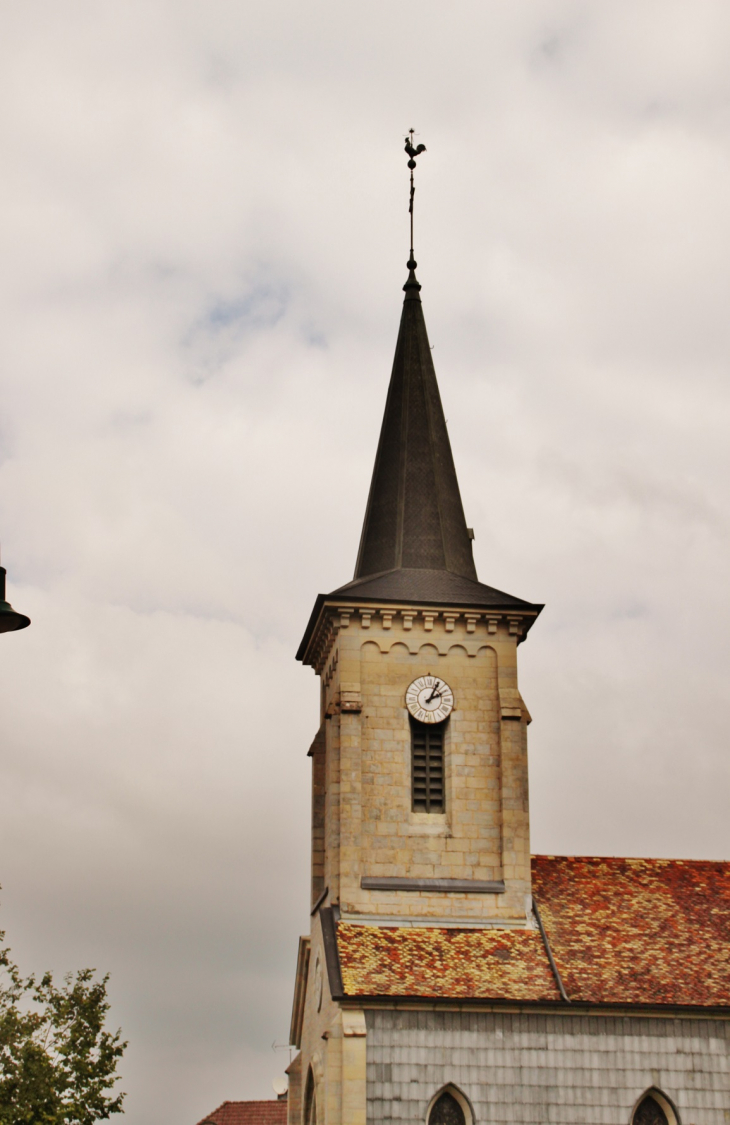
[203, 225]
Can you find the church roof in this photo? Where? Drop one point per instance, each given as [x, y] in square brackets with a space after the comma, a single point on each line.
[647, 932]
[270, 1112]
[444, 963]
[638, 931]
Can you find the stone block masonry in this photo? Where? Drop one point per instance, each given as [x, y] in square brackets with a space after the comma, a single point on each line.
[364, 826]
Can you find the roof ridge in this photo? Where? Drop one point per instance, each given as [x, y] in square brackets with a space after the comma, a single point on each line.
[626, 859]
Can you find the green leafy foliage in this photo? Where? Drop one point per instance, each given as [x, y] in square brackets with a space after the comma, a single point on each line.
[57, 1061]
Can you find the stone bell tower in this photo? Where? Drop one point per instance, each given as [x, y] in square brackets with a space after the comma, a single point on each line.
[417, 821]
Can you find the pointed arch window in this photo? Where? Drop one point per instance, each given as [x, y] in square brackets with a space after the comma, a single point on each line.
[449, 1107]
[654, 1109]
[310, 1100]
[650, 1113]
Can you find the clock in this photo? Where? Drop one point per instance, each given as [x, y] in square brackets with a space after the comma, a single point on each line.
[429, 699]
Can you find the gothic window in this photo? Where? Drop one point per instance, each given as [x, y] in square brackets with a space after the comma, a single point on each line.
[427, 766]
[310, 1101]
[653, 1110]
[446, 1111]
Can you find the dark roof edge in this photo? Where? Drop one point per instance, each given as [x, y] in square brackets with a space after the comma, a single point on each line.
[358, 583]
[517, 606]
[300, 991]
[577, 1007]
[313, 619]
[331, 952]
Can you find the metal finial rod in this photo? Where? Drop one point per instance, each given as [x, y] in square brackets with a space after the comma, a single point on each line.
[412, 153]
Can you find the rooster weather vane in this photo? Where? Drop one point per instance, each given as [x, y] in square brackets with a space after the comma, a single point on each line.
[412, 153]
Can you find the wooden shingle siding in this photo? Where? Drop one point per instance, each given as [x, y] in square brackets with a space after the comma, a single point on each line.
[533, 1068]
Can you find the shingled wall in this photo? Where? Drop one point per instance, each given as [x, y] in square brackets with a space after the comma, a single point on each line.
[537, 1068]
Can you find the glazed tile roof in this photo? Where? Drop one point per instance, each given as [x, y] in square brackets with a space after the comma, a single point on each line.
[459, 964]
[271, 1112]
[621, 931]
[638, 931]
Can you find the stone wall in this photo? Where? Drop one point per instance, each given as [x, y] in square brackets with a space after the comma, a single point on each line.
[560, 1069]
[370, 829]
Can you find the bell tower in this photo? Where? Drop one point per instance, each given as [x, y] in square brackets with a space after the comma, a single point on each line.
[420, 801]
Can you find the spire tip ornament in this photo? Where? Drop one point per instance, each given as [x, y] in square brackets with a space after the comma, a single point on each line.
[413, 152]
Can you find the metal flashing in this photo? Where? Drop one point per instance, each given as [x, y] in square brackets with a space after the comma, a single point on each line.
[331, 953]
[440, 886]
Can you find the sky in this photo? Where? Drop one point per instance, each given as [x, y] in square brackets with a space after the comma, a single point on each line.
[204, 231]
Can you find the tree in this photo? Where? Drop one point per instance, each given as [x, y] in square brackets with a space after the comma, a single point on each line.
[57, 1061]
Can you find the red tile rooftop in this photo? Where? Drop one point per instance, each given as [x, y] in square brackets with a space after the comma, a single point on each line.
[272, 1112]
[463, 964]
[638, 931]
[622, 931]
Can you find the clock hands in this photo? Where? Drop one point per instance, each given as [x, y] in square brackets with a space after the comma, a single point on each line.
[429, 700]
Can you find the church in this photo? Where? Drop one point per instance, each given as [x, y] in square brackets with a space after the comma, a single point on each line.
[451, 977]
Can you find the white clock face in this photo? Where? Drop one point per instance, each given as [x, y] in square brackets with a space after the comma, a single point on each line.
[429, 699]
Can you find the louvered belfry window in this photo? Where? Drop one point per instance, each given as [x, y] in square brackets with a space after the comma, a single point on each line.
[427, 766]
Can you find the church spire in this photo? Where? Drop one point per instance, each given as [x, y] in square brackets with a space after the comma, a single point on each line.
[414, 517]
[415, 547]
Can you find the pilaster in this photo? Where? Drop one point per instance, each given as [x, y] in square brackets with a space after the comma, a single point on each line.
[514, 717]
[354, 1067]
[350, 708]
[332, 806]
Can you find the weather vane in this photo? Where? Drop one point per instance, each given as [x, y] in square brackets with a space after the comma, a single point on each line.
[412, 153]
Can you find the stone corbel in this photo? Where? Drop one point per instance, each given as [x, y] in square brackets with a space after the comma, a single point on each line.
[471, 621]
[449, 621]
[353, 1024]
[350, 698]
[428, 620]
[512, 705]
[492, 621]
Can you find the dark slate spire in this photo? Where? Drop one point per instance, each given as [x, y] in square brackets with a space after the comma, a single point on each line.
[414, 517]
[415, 546]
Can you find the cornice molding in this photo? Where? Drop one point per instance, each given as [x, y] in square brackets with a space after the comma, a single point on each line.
[376, 620]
